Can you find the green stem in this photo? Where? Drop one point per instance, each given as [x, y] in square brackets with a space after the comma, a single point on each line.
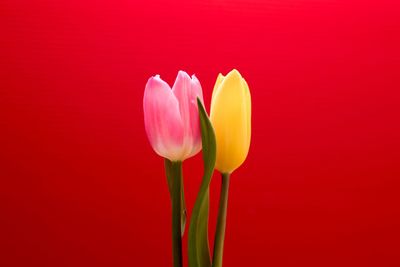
[221, 222]
[176, 213]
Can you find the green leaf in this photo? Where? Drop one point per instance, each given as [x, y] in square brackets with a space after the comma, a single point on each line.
[199, 250]
[169, 170]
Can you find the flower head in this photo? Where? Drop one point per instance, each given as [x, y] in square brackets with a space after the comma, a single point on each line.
[171, 116]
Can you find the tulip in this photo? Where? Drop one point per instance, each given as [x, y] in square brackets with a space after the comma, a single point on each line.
[230, 116]
[231, 119]
[171, 116]
[172, 125]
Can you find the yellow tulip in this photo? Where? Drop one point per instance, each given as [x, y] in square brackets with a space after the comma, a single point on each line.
[231, 118]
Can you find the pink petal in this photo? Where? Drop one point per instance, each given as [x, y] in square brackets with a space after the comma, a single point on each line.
[186, 91]
[196, 92]
[162, 119]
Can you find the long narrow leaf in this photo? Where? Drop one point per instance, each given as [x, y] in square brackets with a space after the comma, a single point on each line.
[199, 250]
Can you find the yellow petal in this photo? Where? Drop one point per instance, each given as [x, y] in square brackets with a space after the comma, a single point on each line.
[218, 82]
[247, 100]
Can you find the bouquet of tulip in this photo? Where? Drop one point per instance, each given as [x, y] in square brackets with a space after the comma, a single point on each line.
[178, 127]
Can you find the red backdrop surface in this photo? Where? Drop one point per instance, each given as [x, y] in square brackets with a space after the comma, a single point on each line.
[81, 186]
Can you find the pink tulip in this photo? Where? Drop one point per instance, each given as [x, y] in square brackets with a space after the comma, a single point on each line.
[171, 117]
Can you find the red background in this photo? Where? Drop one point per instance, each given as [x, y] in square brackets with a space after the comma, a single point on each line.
[81, 186]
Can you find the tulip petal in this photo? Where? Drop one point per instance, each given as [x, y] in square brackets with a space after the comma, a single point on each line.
[163, 122]
[218, 82]
[196, 92]
[247, 100]
[186, 90]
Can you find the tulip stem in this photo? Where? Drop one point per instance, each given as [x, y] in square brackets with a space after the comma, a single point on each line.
[221, 222]
[176, 213]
